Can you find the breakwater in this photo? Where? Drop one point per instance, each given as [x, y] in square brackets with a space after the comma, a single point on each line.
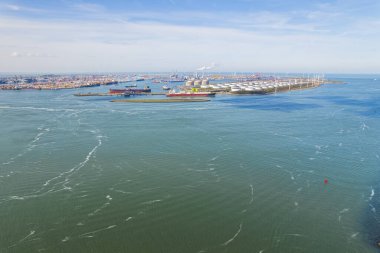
[165, 100]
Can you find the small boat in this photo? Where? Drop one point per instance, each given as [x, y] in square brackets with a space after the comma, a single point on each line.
[139, 79]
[165, 87]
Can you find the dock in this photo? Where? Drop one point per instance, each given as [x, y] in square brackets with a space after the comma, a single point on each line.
[106, 94]
[164, 100]
[96, 94]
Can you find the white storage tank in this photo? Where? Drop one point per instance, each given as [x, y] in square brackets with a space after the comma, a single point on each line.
[235, 89]
[205, 82]
[197, 83]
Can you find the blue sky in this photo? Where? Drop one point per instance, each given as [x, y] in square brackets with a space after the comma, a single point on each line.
[168, 35]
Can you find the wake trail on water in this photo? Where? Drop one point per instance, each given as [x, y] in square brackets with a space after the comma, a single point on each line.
[42, 130]
[372, 193]
[23, 239]
[30, 146]
[91, 234]
[77, 167]
[234, 237]
[36, 108]
[108, 197]
[62, 179]
[251, 200]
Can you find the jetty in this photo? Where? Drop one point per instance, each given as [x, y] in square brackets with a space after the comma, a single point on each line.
[164, 100]
[91, 94]
[107, 94]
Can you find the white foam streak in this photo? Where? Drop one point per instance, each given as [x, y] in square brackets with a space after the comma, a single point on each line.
[66, 174]
[151, 202]
[354, 235]
[251, 200]
[120, 191]
[234, 237]
[38, 136]
[108, 197]
[214, 158]
[372, 193]
[90, 234]
[78, 167]
[65, 239]
[29, 147]
[23, 239]
[373, 209]
[364, 126]
[16, 198]
[296, 235]
[36, 108]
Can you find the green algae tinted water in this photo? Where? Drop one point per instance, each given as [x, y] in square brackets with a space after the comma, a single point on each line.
[237, 174]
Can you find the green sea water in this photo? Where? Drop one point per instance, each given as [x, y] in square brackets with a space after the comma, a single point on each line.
[236, 174]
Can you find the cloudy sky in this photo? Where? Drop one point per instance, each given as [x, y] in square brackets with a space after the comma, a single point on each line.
[340, 36]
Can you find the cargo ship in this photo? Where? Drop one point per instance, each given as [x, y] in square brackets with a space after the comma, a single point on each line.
[117, 91]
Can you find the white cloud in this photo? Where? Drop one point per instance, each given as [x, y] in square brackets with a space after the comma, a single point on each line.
[29, 54]
[15, 54]
[203, 68]
[18, 8]
[13, 7]
[89, 7]
[115, 43]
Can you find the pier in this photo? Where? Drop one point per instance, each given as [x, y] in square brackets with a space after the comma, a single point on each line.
[90, 94]
[164, 100]
[107, 94]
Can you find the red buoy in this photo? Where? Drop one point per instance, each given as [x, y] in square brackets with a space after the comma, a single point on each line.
[325, 181]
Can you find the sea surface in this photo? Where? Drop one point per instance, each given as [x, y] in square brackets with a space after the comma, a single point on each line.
[288, 172]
